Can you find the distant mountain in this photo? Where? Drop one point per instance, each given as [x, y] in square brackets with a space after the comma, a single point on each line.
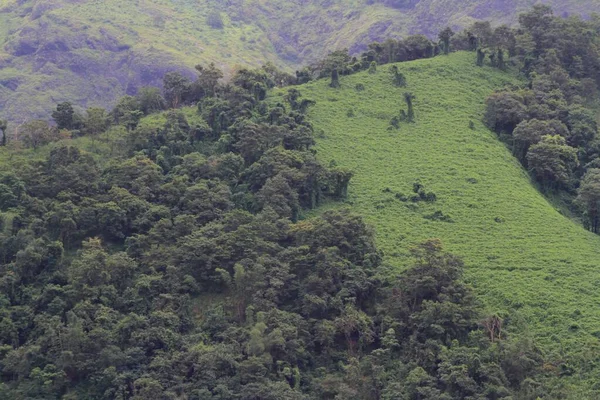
[91, 52]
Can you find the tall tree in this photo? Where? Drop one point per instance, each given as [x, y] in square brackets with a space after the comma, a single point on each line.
[208, 78]
[445, 37]
[176, 86]
[335, 78]
[63, 115]
[96, 121]
[408, 98]
[150, 100]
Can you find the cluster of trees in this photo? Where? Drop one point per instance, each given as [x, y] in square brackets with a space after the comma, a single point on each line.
[180, 267]
[551, 124]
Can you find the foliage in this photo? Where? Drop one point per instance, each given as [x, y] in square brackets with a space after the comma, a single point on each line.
[511, 237]
[185, 263]
[50, 50]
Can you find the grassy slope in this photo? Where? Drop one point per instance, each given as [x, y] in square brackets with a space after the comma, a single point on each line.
[535, 260]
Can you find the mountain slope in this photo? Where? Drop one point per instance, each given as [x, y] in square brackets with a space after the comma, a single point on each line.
[96, 51]
[522, 255]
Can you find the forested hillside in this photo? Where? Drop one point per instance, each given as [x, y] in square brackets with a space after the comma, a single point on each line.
[168, 254]
[418, 221]
[93, 52]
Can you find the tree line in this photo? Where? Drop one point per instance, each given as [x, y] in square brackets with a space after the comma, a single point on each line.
[551, 124]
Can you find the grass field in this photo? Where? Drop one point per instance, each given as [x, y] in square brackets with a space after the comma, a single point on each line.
[522, 255]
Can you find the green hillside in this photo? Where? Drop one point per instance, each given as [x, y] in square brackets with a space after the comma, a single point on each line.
[49, 50]
[523, 256]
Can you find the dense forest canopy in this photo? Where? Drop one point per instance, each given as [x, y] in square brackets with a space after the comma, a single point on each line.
[179, 258]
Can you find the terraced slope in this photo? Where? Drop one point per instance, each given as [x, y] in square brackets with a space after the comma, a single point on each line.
[521, 254]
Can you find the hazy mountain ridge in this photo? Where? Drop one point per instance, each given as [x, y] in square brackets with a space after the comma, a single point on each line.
[124, 45]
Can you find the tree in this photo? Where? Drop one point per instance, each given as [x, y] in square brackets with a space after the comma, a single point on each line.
[398, 77]
[504, 38]
[530, 132]
[63, 116]
[588, 197]
[335, 79]
[501, 63]
[373, 67]
[3, 126]
[505, 110]
[482, 30]
[208, 79]
[37, 133]
[96, 121]
[445, 37]
[583, 127]
[408, 98]
[418, 46]
[150, 100]
[176, 87]
[339, 60]
[552, 161]
[480, 57]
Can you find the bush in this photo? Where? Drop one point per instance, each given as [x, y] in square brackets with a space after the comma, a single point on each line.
[439, 216]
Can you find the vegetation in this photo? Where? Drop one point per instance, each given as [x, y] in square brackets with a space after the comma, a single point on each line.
[511, 238]
[192, 243]
[180, 262]
[48, 49]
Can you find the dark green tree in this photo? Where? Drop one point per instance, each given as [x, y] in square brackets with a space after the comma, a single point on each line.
[150, 100]
[445, 37]
[410, 114]
[552, 161]
[63, 115]
[480, 57]
[373, 67]
[398, 77]
[176, 87]
[208, 79]
[335, 79]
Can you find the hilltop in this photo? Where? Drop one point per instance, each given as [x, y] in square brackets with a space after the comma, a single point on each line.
[91, 52]
[523, 256]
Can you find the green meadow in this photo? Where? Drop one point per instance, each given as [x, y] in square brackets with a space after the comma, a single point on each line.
[522, 255]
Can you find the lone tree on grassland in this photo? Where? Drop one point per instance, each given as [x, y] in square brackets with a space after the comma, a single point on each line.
[397, 76]
[410, 115]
